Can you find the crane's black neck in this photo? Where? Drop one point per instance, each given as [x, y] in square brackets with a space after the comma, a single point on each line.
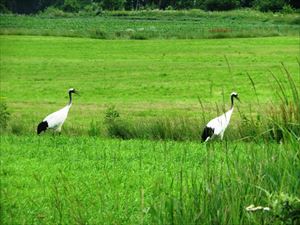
[232, 101]
[70, 96]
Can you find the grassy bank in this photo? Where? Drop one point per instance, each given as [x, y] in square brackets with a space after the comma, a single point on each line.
[192, 24]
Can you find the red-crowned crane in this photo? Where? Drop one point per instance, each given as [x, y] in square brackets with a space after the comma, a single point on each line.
[56, 120]
[217, 126]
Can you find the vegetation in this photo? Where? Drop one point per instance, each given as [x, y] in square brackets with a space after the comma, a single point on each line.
[83, 180]
[192, 24]
[4, 114]
[34, 6]
[162, 90]
[170, 92]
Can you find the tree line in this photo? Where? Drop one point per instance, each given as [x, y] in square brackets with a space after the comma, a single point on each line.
[34, 6]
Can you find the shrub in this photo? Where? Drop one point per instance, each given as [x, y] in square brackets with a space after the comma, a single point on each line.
[270, 5]
[285, 208]
[94, 129]
[3, 9]
[288, 9]
[17, 128]
[113, 4]
[111, 114]
[94, 9]
[98, 34]
[54, 12]
[71, 6]
[114, 126]
[212, 5]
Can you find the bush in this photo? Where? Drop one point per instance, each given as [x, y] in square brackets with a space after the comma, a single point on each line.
[4, 115]
[3, 9]
[285, 208]
[71, 6]
[93, 9]
[270, 5]
[98, 34]
[212, 5]
[113, 4]
[288, 9]
[54, 12]
[95, 129]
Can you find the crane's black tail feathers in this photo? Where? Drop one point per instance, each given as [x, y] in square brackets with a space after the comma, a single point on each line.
[207, 132]
[42, 127]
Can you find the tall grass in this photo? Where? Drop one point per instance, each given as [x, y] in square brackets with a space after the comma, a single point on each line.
[155, 24]
[275, 120]
[222, 195]
[270, 121]
[84, 180]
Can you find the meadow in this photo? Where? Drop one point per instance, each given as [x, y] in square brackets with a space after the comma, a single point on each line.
[142, 80]
[192, 24]
[158, 94]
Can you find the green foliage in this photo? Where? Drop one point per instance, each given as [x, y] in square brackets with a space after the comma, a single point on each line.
[4, 114]
[113, 4]
[287, 9]
[71, 5]
[53, 12]
[221, 5]
[270, 5]
[95, 129]
[98, 34]
[33, 6]
[285, 208]
[193, 24]
[111, 114]
[285, 119]
[94, 9]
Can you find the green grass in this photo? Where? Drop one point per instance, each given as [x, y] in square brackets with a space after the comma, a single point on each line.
[192, 24]
[162, 89]
[67, 180]
[143, 79]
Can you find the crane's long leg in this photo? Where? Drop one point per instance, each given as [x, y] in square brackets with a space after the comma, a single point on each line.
[222, 135]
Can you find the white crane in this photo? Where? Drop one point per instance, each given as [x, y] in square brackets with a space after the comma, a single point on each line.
[56, 120]
[217, 126]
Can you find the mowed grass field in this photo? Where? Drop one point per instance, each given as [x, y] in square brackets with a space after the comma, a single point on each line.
[77, 178]
[142, 79]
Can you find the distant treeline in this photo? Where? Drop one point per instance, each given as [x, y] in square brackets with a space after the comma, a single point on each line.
[35, 6]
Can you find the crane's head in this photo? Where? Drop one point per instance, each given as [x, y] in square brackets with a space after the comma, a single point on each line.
[72, 90]
[235, 95]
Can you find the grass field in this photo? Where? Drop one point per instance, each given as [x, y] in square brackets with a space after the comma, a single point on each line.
[155, 24]
[67, 180]
[143, 79]
[163, 90]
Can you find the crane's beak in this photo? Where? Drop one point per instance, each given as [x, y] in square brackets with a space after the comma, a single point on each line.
[76, 92]
[238, 99]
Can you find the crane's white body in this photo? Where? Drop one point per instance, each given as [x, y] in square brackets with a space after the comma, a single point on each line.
[56, 120]
[217, 126]
[220, 124]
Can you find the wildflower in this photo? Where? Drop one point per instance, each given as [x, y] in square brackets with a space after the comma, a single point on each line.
[252, 208]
